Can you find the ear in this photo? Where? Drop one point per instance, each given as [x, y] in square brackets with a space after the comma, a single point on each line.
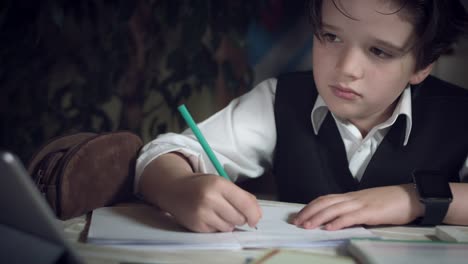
[420, 75]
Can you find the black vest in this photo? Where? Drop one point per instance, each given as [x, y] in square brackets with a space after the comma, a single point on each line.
[307, 165]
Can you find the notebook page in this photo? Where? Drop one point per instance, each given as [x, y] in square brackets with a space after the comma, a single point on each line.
[145, 225]
[275, 230]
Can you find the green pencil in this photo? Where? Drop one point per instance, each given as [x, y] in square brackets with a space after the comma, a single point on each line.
[201, 139]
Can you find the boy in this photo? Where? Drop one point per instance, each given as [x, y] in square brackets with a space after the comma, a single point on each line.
[345, 140]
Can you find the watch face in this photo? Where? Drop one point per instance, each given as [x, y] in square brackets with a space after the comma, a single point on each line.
[432, 185]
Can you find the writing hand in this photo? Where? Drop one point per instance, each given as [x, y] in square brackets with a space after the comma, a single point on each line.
[209, 203]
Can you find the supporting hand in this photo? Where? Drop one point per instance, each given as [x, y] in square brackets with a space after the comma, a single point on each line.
[394, 205]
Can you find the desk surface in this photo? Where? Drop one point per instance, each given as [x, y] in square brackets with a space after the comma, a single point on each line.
[76, 230]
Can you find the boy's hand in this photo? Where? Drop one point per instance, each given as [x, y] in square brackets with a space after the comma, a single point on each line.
[394, 205]
[210, 203]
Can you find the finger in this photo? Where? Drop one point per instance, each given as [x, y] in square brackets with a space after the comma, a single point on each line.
[205, 217]
[246, 204]
[330, 213]
[212, 222]
[218, 213]
[204, 221]
[316, 206]
[347, 220]
[230, 214]
[203, 228]
[219, 224]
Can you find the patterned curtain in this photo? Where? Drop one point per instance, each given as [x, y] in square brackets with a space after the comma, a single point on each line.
[99, 66]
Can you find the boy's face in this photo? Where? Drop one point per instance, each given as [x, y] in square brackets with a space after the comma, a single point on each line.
[363, 63]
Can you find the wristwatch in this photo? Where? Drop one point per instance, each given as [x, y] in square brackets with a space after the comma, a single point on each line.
[434, 192]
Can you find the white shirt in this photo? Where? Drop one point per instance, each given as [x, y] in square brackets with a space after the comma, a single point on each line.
[243, 136]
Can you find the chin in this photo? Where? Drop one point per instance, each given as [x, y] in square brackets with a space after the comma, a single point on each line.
[343, 112]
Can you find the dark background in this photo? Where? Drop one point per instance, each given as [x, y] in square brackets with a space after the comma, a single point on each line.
[84, 65]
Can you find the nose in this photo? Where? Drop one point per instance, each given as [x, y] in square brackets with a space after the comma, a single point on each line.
[351, 63]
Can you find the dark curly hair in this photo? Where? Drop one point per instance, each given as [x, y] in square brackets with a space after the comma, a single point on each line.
[438, 24]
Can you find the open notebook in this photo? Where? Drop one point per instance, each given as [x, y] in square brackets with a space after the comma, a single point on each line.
[146, 226]
[30, 233]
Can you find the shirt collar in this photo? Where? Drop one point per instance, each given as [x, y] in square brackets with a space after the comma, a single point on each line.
[403, 107]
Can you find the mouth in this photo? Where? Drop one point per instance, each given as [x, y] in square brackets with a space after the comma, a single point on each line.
[344, 92]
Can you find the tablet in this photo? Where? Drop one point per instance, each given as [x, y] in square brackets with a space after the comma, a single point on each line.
[30, 231]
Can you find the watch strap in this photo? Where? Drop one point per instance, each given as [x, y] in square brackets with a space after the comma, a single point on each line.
[435, 212]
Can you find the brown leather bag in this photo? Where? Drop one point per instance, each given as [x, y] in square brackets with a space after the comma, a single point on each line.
[80, 172]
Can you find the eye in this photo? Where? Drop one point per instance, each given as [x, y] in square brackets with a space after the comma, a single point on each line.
[329, 37]
[380, 53]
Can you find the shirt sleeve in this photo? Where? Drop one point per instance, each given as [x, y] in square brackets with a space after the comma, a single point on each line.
[242, 135]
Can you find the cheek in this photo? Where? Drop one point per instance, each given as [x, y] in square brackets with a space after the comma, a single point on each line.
[387, 84]
[407, 68]
[316, 55]
[394, 74]
[321, 61]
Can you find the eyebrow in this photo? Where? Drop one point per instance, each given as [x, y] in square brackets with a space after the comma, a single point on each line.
[391, 46]
[383, 43]
[325, 25]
